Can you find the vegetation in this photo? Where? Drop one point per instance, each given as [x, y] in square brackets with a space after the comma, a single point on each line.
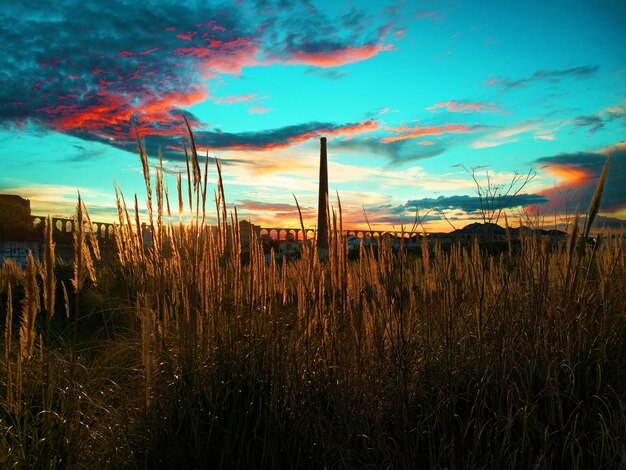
[178, 355]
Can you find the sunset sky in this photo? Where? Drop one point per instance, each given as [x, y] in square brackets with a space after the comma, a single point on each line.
[411, 95]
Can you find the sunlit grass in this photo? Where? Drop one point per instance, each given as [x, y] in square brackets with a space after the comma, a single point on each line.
[179, 355]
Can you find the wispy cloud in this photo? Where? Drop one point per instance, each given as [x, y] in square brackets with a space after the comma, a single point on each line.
[592, 123]
[259, 110]
[415, 132]
[397, 152]
[464, 106]
[513, 134]
[544, 76]
[235, 99]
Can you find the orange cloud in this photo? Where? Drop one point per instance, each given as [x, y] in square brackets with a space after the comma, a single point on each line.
[338, 57]
[567, 173]
[422, 131]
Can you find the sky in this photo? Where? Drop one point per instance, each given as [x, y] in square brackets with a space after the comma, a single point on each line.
[418, 99]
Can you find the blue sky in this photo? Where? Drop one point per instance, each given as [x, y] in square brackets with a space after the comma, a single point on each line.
[411, 95]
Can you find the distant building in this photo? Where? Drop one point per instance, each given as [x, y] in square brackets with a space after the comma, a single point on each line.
[16, 230]
[15, 220]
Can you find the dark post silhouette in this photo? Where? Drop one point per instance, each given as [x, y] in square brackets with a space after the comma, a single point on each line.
[322, 204]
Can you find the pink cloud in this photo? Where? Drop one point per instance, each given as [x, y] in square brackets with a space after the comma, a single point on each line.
[259, 110]
[405, 132]
[465, 106]
[235, 99]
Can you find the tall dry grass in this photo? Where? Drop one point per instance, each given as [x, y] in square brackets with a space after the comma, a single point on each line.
[452, 359]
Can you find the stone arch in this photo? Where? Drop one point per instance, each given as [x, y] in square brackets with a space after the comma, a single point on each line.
[69, 226]
[58, 224]
[274, 234]
[291, 233]
[37, 222]
[263, 231]
[103, 231]
[111, 231]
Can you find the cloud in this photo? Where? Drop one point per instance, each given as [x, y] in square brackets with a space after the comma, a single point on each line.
[91, 69]
[406, 132]
[336, 57]
[471, 204]
[577, 175]
[615, 113]
[544, 76]
[327, 73]
[594, 123]
[280, 138]
[396, 152]
[235, 99]
[277, 209]
[463, 106]
[507, 136]
[259, 110]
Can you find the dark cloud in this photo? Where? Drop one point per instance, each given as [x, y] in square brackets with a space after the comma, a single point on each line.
[397, 153]
[90, 69]
[594, 123]
[616, 113]
[172, 148]
[473, 203]
[329, 74]
[545, 76]
[578, 175]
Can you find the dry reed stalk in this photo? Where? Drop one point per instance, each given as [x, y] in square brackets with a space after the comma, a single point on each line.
[204, 186]
[143, 156]
[147, 323]
[120, 229]
[158, 235]
[8, 329]
[79, 242]
[30, 307]
[139, 244]
[66, 299]
[93, 240]
[594, 206]
[194, 155]
[86, 253]
[49, 280]
[189, 183]
[222, 213]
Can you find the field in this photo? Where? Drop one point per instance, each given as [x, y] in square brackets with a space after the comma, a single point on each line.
[182, 356]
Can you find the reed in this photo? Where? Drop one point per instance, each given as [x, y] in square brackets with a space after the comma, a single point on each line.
[452, 357]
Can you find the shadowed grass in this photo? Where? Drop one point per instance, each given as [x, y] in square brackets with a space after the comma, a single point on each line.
[453, 359]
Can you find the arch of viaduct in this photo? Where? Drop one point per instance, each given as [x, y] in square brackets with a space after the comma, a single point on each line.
[65, 227]
[285, 233]
[106, 231]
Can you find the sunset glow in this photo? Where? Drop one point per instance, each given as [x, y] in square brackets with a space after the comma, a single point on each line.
[412, 97]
